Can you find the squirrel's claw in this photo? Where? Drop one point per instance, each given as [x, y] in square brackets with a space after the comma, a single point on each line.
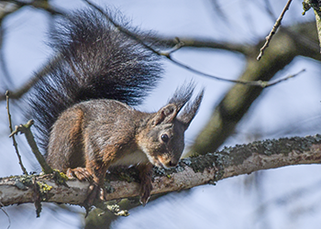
[94, 190]
[80, 173]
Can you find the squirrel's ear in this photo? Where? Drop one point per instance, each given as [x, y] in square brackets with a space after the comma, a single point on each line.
[166, 114]
[190, 110]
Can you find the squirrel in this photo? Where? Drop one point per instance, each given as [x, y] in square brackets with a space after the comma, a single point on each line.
[82, 106]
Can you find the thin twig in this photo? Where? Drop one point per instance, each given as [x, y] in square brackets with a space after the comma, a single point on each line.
[273, 31]
[9, 220]
[259, 83]
[179, 44]
[307, 4]
[6, 74]
[57, 58]
[13, 137]
[286, 78]
[41, 73]
[120, 28]
[36, 196]
[37, 4]
[32, 143]
[290, 196]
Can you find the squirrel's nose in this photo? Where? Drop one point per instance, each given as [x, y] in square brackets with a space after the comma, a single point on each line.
[169, 163]
[173, 163]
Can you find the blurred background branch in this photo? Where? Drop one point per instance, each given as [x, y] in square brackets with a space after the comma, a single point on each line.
[227, 112]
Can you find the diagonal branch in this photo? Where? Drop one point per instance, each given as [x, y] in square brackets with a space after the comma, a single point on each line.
[237, 101]
[33, 80]
[274, 29]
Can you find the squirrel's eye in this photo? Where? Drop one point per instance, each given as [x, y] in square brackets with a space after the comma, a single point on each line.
[164, 137]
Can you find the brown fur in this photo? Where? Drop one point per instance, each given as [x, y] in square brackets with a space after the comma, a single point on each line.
[82, 126]
[91, 136]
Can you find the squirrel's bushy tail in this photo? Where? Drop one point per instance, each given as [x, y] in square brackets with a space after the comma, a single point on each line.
[97, 61]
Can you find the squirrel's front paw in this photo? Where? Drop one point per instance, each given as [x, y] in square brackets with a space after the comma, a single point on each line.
[145, 190]
[145, 175]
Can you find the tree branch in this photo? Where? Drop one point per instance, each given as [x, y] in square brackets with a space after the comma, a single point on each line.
[191, 172]
[237, 101]
[274, 29]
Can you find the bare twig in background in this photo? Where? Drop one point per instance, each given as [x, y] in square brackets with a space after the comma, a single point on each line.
[182, 43]
[120, 28]
[283, 79]
[43, 71]
[259, 83]
[35, 3]
[237, 101]
[273, 31]
[290, 197]
[178, 63]
[6, 8]
[307, 4]
[10, 6]
[13, 137]
[32, 143]
[5, 71]
[9, 220]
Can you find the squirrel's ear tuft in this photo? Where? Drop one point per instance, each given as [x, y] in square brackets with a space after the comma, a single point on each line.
[188, 113]
[166, 114]
[182, 95]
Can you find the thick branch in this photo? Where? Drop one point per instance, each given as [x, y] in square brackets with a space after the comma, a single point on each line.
[191, 172]
[239, 98]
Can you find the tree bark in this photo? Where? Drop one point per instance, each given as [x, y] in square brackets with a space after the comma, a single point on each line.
[191, 172]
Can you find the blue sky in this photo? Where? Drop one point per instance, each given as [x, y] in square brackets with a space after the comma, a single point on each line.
[229, 204]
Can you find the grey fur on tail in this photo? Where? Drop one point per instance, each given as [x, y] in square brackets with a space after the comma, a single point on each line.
[98, 61]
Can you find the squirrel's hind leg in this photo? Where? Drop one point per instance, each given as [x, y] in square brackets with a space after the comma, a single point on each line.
[95, 189]
[97, 171]
[80, 173]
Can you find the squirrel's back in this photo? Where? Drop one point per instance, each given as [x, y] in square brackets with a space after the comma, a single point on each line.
[95, 61]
